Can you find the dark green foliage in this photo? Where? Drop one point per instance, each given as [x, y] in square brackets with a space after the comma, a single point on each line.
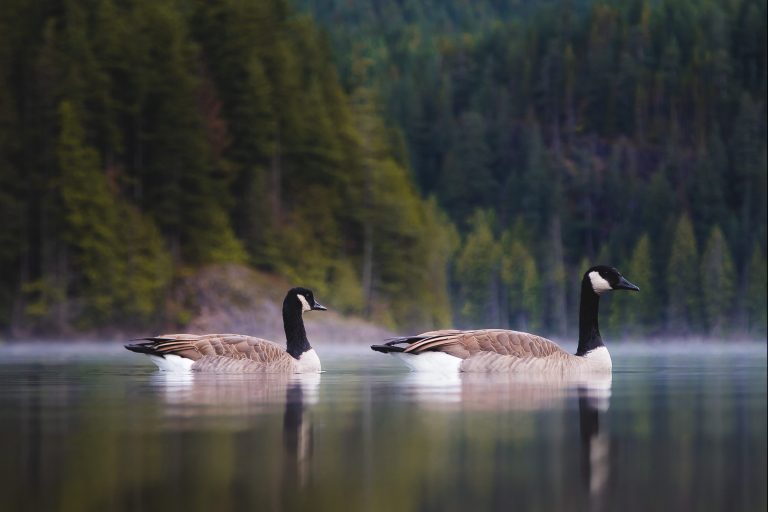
[156, 136]
[114, 261]
[89, 220]
[636, 314]
[594, 122]
[683, 278]
[477, 271]
[466, 179]
[718, 280]
[757, 293]
[521, 280]
[140, 138]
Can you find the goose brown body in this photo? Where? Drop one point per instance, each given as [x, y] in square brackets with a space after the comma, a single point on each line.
[229, 353]
[500, 350]
[238, 353]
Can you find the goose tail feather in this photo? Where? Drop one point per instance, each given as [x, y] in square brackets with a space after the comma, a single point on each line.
[386, 348]
[147, 347]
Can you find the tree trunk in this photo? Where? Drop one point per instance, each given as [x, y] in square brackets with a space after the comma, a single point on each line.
[275, 181]
[555, 278]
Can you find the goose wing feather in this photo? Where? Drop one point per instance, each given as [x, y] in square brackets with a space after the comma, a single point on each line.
[464, 344]
[220, 352]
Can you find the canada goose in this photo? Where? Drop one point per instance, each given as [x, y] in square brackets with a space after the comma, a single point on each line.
[498, 350]
[239, 353]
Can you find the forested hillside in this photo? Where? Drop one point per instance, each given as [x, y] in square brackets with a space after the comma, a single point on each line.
[556, 134]
[140, 140]
[420, 163]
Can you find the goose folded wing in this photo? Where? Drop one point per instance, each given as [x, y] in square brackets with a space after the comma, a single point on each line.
[231, 346]
[464, 344]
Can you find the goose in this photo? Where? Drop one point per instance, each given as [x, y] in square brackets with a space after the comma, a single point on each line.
[237, 353]
[500, 350]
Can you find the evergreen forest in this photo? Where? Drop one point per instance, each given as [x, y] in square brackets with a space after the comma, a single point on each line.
[419, 163]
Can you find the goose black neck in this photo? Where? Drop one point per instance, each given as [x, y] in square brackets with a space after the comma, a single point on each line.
[295, 335]
[589, 330]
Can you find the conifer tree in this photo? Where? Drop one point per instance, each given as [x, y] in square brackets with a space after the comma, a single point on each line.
[466, 180]
[718, 282]
[635, 315]
[437, 244]
[683, 309]
[644, 309]
[146, 264]
[184, 184]
[90, 221]
[520, 276]
[757, 293]
[477, 270]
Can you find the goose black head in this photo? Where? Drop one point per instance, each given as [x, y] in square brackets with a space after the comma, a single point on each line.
[304, 299]
[603, 279]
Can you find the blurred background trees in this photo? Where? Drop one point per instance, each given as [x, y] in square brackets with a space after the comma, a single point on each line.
[629, 132]
[420, 163]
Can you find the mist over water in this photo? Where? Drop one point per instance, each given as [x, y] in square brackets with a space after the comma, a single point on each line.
[92, 427]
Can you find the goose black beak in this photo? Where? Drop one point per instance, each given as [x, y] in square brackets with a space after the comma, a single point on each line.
[623, 284]
[318, 307]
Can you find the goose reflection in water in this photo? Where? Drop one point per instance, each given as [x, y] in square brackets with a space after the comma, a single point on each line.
[230, 400]
[509, 392]
[595, 448]
[504, 391]
[237, 402]
[298, 437]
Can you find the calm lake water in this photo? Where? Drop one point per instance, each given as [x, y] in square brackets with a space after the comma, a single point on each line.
[86, 427]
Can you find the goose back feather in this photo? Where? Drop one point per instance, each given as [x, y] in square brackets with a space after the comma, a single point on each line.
[496, 350]
[224, 353]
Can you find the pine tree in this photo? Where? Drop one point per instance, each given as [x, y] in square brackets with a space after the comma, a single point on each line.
[748, 179]
[718, 282]
[184, 184]
[683, 309]
[636, 314]
[477, 271]
[554, 279]
[147, 268]
[708, 194]
[119, 267]
[466, 180]
[438, 244]
[90, 222]
[521, 279]
[644, 309]
[757, 294]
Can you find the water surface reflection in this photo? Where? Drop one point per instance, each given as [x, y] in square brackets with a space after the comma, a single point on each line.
[230, 400]
[500, 392]
[672, 430]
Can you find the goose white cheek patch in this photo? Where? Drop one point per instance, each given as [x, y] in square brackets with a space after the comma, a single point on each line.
[304, 303]
[599, 284]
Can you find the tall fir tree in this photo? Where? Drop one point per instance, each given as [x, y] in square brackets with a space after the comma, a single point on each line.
[718, 282]
[477, 272]
[635, 315]
[90, 222]
[683, 285]
[466, 180]
[757, 293]
[521, 280]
